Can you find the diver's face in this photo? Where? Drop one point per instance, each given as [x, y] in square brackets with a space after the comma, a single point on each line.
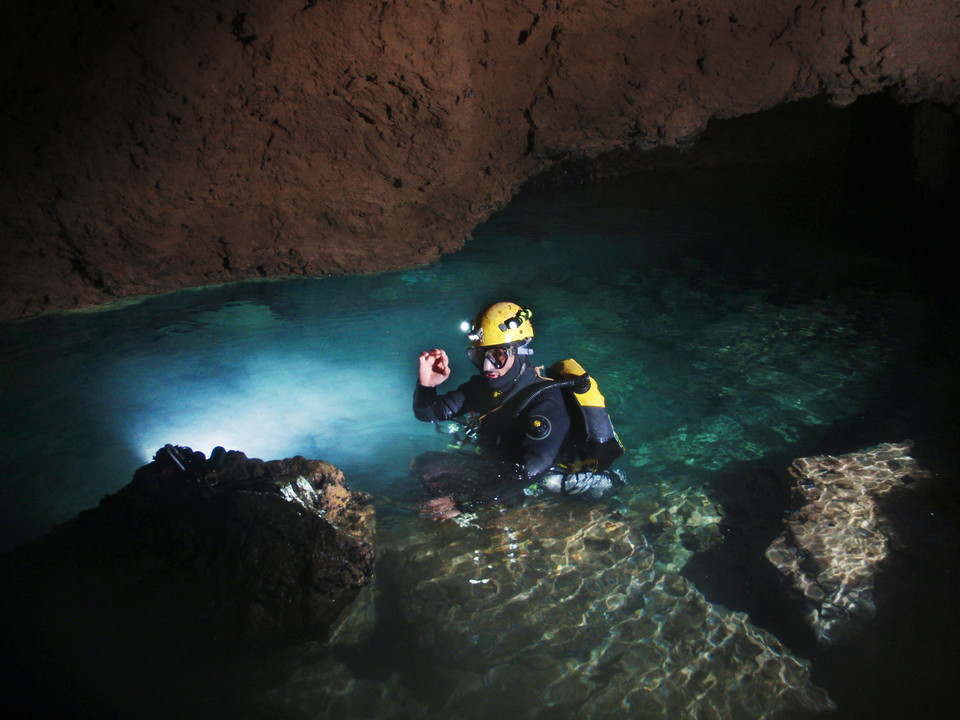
[492, 372]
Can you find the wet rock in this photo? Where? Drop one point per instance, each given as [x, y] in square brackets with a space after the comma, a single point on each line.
[834, 544]
[241, 551]
[687, 521]
[194, 561]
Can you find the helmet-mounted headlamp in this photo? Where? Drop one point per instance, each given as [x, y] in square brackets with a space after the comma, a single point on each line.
[516, 321]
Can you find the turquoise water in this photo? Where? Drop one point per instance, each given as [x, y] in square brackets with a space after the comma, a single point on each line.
[732, 321]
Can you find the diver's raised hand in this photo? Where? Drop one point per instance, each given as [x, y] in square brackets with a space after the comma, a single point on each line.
[434, 367]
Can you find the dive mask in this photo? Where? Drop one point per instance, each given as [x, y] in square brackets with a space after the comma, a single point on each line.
[496, 355]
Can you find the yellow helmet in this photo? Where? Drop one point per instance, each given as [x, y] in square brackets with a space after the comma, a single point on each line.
[502, 323]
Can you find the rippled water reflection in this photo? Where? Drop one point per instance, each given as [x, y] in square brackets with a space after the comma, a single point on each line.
[726, 327]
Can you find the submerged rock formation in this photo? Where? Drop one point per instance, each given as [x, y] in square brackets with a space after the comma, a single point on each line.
[834, 545]
[194, 556]
[153, 146]
[554, 609]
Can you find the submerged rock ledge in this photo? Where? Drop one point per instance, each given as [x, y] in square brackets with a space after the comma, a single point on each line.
[554, 609]
[834, 545]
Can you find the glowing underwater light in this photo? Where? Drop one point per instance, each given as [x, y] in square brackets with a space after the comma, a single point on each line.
[271, 405]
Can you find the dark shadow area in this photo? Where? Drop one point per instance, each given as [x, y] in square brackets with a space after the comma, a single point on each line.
[389, 648]
[904, 661]
[900, 162]
[901, 662]
[755, 498]
[70, 651]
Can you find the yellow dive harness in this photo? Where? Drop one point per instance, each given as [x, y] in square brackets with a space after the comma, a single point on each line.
[599, 445]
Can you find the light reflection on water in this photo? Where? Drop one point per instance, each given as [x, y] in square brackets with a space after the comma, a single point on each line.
[718, 336]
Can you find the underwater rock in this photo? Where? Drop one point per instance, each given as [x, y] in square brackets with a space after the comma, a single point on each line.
[686, 521]
[832, 547]
[232, 550]
[553, 609]
[467, 480]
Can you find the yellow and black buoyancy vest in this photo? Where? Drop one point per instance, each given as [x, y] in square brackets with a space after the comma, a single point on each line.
[592, 434]
[600, 441]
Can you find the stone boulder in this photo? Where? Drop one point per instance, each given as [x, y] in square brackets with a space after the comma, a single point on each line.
[195, 558]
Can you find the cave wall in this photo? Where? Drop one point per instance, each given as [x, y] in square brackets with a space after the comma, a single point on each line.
[150, 145]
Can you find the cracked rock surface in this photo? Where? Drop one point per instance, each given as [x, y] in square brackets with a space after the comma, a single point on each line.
[153, 146]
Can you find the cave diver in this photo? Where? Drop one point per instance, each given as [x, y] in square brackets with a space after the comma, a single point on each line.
[551, 428]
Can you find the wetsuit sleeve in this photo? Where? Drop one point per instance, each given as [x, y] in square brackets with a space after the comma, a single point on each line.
[546, 425]
[430, 406]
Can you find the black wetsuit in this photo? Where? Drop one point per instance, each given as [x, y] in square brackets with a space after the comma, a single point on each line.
[533, 439]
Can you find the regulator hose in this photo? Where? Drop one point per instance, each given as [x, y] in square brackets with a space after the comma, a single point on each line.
[580, 384]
